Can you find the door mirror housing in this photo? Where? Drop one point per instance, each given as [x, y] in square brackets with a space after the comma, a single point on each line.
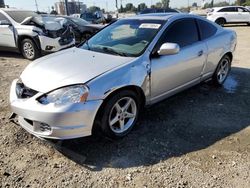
[169, 49]
[4, 22]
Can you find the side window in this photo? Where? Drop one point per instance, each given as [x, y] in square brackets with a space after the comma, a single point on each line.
[229, 9]
[183, 32]
[2, 17]
[207, 30]
[242, 9]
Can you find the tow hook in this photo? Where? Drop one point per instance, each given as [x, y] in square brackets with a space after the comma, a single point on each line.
[12, 116]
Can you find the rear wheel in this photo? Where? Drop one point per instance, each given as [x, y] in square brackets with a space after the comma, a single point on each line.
[29, 49]
[222, 71]
[221, 21]
[120, 114]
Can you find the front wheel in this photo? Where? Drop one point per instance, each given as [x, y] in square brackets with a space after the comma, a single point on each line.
[120, 114]
[29, 49]
[222, 71]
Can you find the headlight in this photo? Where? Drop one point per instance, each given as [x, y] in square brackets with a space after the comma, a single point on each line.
[66, 95]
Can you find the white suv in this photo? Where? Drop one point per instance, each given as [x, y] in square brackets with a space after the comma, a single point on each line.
[229, 14]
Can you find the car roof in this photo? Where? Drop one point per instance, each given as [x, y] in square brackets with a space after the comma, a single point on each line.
[162, 16]
[218, 8]
[153, 16]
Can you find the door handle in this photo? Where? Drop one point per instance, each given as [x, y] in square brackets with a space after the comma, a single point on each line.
[200, 53]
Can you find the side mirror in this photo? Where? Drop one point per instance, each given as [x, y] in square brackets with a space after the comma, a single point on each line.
[4, 22]
[169, 49]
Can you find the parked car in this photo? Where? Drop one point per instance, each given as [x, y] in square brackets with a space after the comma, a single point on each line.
[25, 32]
[229, 14]
[158, 10]
[104, 84]
[94, 18]
[81, 28]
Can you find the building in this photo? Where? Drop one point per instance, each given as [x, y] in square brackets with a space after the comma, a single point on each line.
[74, 7]
[2, 5]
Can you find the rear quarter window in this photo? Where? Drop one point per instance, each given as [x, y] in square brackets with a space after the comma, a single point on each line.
[207, 30]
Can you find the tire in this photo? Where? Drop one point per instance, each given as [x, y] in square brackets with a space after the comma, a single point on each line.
[222, 71]
[116, 121]
[221, 21]
[29, 49]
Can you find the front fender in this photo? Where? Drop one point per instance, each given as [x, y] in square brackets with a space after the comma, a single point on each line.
[132, 74]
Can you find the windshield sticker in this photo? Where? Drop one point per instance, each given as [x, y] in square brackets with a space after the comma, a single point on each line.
[150, 26]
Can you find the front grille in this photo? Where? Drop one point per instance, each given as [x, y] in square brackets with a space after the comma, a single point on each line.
[24, 92]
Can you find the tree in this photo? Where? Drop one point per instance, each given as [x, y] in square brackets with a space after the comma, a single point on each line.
[129, 7]
[247, 3]
[158, 5]
[141, 7]
[241, 2]
[165, 3]
[121, 10]
[194, 4]
[94, 9]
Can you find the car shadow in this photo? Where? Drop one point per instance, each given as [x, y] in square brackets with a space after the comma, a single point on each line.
[236, 25]
[11, 55]
[190, 121]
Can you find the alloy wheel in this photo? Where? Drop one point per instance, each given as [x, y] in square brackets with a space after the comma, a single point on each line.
[223, 71]
[122, 115]
[28, 50]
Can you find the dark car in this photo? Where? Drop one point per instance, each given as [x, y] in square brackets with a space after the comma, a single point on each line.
[94, 17]
[81, 28]
[158, 10]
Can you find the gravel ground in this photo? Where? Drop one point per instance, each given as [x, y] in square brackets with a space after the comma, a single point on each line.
[198, 138]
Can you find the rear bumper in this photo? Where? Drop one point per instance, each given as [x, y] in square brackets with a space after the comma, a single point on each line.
[54, 122]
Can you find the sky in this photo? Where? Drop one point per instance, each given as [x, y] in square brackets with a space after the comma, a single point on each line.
[44, 5]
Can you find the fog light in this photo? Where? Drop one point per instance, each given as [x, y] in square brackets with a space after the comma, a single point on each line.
[49, 47]
[44, 127]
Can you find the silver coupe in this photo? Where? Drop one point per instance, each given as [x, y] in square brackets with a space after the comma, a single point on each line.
[104, 83]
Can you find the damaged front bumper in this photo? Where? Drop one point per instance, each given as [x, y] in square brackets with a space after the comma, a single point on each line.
[55, 44]
[53, 122]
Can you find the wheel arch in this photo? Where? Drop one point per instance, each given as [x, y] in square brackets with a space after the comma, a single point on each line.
[133, 88]
[221, 18]
[35, 39]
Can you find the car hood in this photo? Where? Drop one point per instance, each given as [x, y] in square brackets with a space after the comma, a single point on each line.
[71, 66]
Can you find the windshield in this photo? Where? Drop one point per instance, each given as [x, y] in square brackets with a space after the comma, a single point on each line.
[79, 21]
[124, 37]
[19, 16]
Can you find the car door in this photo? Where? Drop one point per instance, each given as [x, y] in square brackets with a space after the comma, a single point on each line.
[229, 13]
[172, 72]
[243, 15]
[7, 38]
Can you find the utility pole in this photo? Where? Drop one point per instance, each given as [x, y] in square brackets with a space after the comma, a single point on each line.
[36, 5]
[66, 7]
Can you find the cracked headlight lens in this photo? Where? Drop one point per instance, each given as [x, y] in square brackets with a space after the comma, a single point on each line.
[66, 95]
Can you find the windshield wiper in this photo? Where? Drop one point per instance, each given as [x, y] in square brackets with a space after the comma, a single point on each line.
[111, 50]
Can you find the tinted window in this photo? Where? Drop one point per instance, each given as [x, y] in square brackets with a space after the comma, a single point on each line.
[183, 32]
[2, 17]
[207, 29]
[242, 9]
[229, 9]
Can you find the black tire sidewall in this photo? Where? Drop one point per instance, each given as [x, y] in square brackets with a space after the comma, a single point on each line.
[104, 119]
[36, 51]
[221, 21]
[215, 77]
